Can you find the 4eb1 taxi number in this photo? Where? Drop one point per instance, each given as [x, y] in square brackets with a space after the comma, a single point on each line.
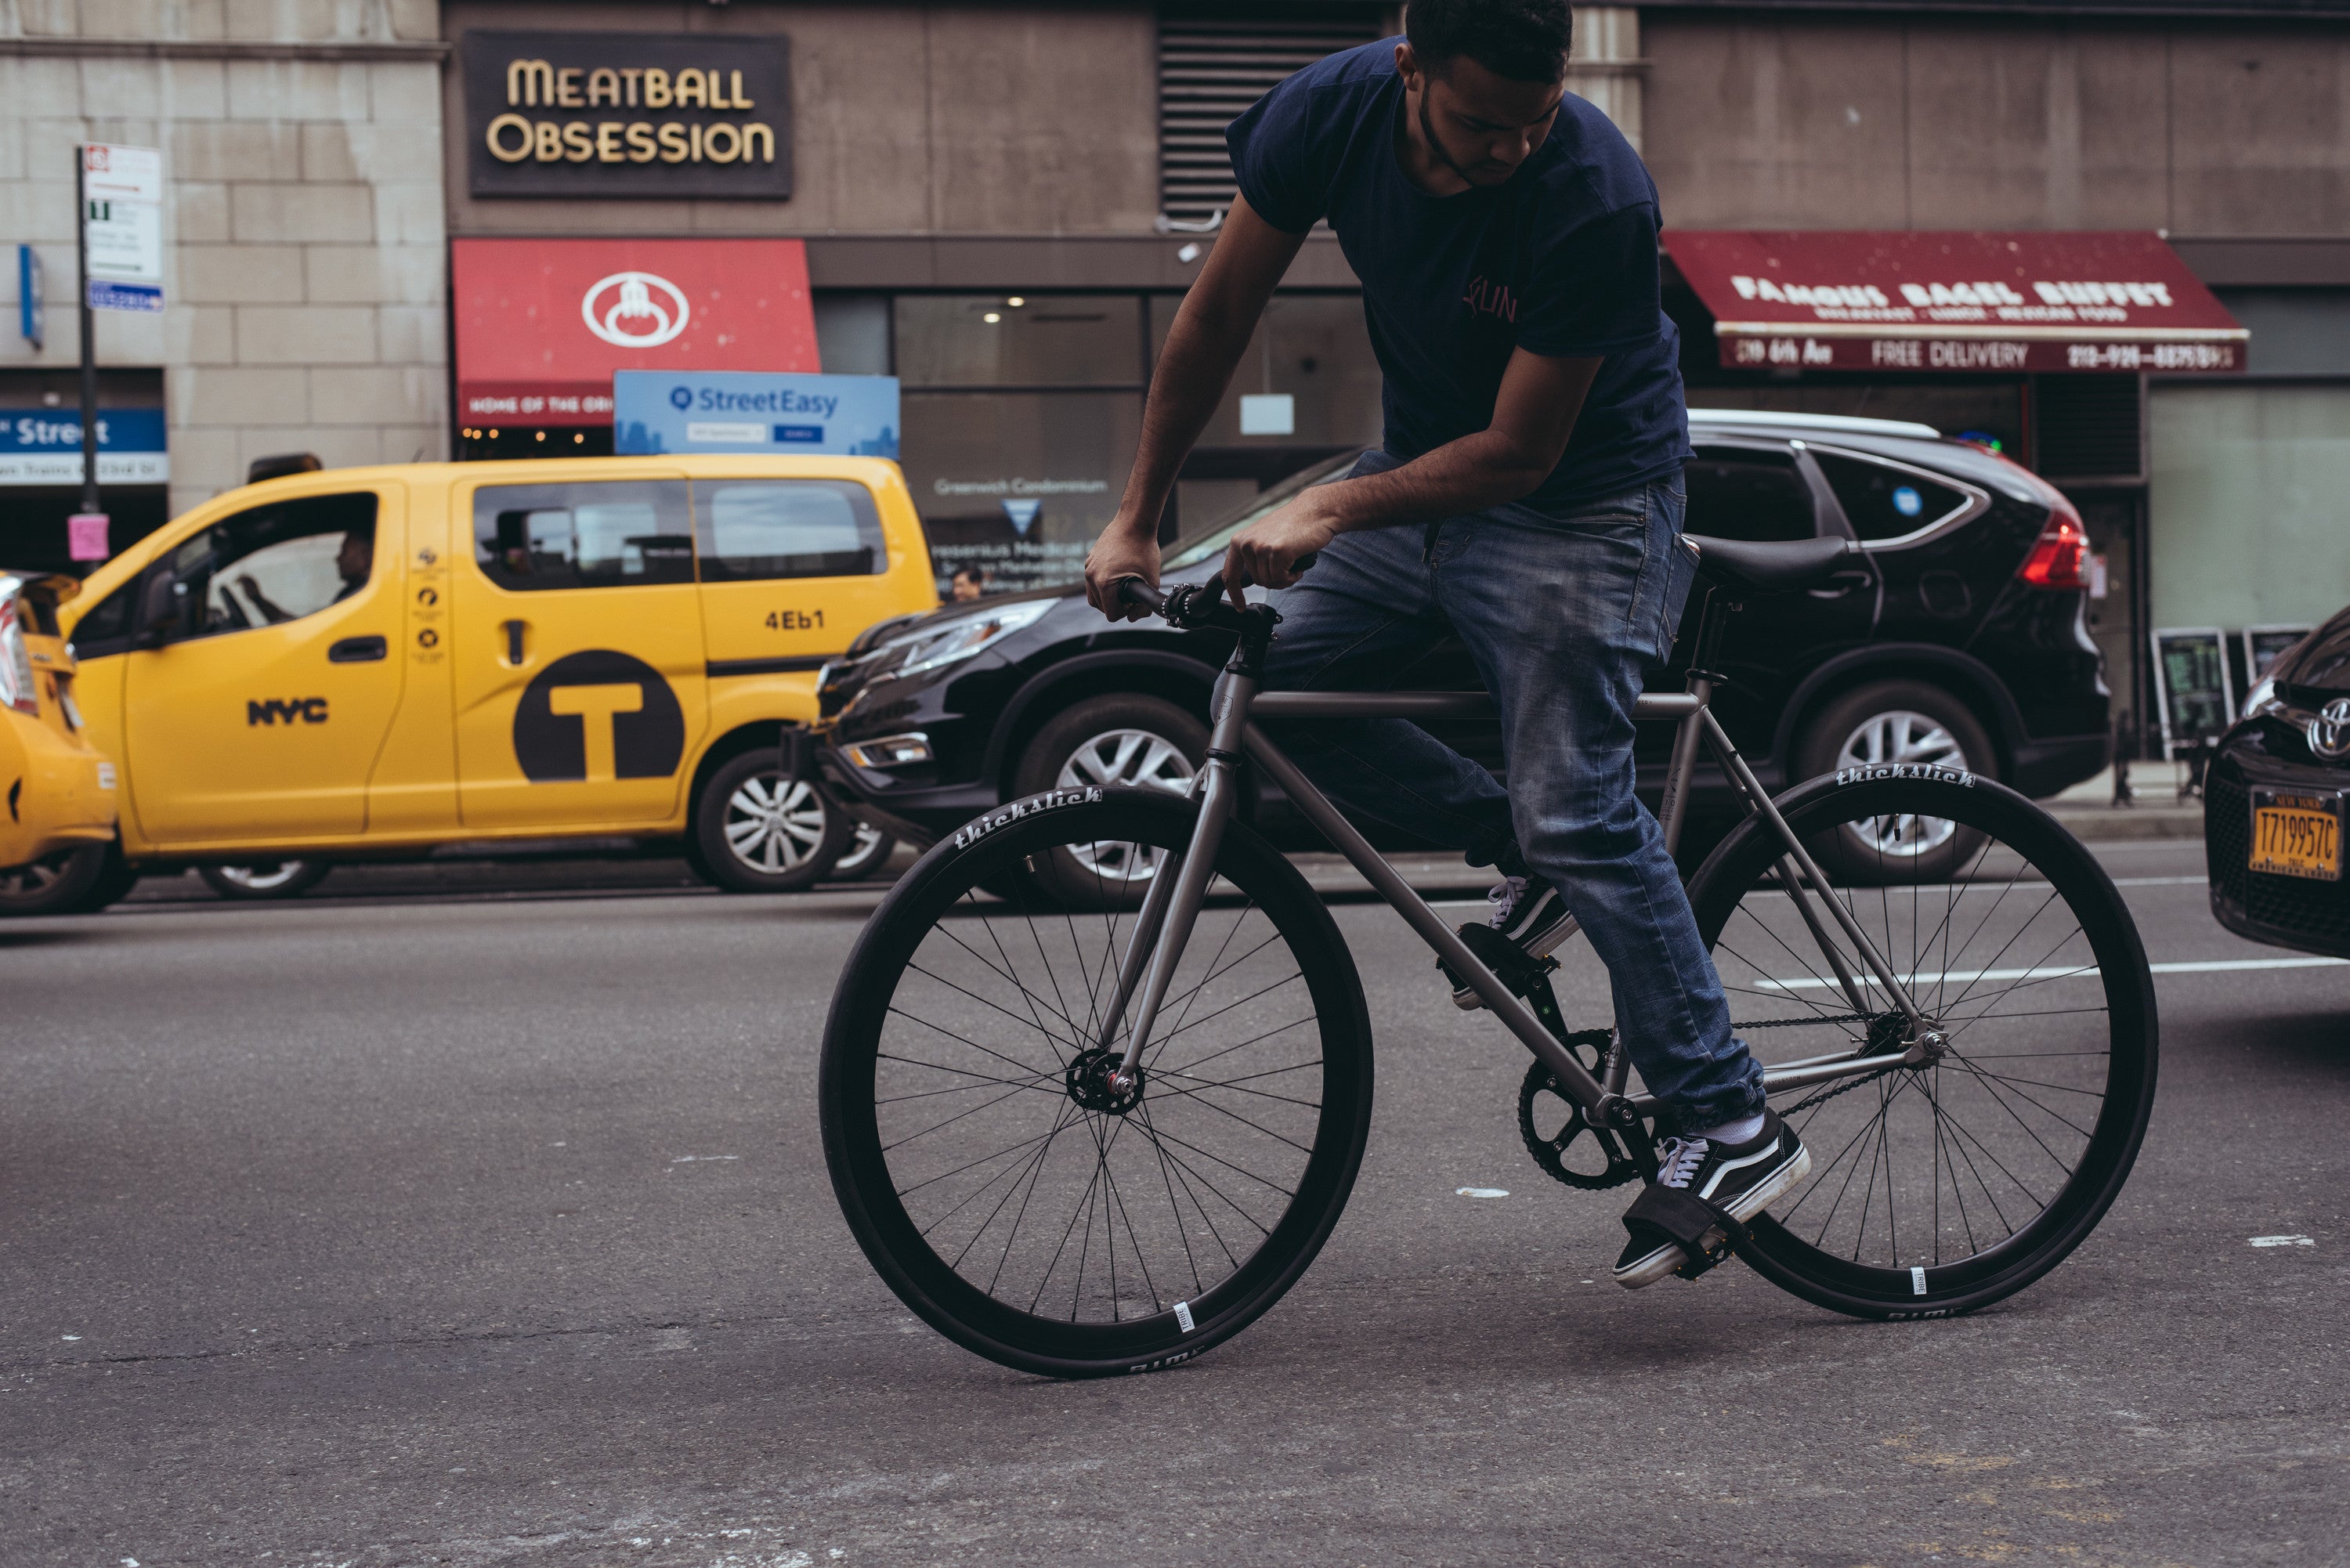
[794, 620]
[2297, 836]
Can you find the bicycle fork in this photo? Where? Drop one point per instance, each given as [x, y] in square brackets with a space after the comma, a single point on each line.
[1163, 927]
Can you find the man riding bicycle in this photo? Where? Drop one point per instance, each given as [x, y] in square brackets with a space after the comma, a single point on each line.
[1528, 499]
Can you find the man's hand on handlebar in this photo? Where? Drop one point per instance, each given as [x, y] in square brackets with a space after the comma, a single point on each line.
[1122, 552]
[1274, 551]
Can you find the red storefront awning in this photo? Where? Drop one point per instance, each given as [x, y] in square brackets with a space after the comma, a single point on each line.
[1963, 301]
[543, 324]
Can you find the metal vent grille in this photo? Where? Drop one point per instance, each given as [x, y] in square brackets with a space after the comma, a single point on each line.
[2088, 427]
[1211, 69]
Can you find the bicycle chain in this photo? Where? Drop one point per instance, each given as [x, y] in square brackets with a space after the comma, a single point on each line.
[1550, 1153]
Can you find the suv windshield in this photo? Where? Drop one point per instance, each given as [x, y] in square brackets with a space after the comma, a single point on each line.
[1208, 545]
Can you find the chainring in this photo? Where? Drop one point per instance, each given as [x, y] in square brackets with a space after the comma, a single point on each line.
[1606, 1145]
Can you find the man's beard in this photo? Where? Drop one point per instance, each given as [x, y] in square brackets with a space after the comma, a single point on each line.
[1441, 153]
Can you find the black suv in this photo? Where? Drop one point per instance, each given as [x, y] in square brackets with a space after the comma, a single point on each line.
[1956, 636]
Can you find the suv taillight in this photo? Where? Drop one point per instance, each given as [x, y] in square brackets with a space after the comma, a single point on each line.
[2060, 556]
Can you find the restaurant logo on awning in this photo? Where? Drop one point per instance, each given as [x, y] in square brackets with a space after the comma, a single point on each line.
[544, 325]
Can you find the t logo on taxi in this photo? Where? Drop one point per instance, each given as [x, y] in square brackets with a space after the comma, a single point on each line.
[596, 716]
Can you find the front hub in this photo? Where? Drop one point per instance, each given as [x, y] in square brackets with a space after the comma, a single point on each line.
[1094, 1085]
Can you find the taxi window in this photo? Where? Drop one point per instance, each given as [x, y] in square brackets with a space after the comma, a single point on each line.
[1884, 502]
[536, 538]
[277, 563]
[752, 529]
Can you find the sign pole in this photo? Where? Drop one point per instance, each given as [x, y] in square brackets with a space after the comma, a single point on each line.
[89, 501]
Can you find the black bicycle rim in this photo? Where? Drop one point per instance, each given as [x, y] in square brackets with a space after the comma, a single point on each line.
[1941, 1190]
[962, 1017]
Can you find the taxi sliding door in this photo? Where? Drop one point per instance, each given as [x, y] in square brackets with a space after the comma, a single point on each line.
[577, 658]
[791, 570]
[261, 685]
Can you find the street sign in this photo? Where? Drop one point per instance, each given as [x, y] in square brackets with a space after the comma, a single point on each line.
[110, 172]
[31, 315]
[122, 226]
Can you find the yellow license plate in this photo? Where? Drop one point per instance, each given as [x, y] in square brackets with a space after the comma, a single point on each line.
[2298, 836]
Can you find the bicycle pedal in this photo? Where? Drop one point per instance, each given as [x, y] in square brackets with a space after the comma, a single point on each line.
[1512, 964]
[1717, 1250]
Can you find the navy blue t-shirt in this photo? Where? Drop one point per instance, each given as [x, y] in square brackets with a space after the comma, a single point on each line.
[1560, 260]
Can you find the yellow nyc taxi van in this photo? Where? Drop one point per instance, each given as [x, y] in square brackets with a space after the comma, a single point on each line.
[58, 791]
[366, 662]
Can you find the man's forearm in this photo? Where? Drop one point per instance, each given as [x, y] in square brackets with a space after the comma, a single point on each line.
[1487, 469]
[1203, 348]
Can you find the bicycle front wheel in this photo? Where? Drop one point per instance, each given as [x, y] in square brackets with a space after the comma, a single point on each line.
[1002, 1187]
[1939, 1188]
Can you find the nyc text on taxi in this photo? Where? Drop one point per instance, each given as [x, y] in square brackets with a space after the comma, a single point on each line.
[375, 661]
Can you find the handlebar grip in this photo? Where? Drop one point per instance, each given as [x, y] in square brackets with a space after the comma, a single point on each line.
[1135, 591]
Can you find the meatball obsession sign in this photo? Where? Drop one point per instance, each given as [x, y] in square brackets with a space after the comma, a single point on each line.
[627, 114]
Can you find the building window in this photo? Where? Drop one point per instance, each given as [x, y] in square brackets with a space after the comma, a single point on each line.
[1211, 67]
[1016, 484]
[987, 340]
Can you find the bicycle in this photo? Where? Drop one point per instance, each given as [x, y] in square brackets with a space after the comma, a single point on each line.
[1082, 1122]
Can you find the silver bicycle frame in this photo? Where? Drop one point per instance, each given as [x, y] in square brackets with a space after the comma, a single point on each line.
[1172, 904]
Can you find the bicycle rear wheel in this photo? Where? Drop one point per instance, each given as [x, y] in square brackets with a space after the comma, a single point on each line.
[1939, 1188]
[1001, 1187]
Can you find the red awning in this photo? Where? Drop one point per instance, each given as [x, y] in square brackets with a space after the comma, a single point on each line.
[543, 324]
[1964, 301]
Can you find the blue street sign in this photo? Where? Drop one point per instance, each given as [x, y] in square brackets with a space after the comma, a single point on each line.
[43, 446]
[105, 294]
[30, 315]
[722, 411]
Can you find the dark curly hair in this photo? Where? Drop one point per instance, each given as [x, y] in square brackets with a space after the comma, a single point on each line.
[1524, 41]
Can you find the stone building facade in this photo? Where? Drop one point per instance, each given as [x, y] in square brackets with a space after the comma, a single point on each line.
[303, 226]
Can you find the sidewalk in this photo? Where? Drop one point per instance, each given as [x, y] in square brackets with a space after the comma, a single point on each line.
[2088, 811]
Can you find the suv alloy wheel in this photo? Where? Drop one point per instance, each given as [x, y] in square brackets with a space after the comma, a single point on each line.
[1896, 722]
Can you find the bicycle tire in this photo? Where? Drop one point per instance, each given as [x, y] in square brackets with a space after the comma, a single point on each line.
[897, 964]
[2108, 1048]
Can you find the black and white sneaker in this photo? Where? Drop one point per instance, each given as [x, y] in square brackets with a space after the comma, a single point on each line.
[1528, 913]
[1741, 1180]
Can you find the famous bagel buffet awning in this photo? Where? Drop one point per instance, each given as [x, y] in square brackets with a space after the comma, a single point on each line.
[1970, 300]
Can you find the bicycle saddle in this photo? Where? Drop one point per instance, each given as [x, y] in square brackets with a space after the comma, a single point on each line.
[1779, 565]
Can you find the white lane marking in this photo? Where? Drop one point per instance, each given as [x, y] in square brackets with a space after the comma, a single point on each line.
[2282, 1241]
[70, 1338]
[2061, 971]
[690, 1158]
[1775, 893]
[1481, 1192]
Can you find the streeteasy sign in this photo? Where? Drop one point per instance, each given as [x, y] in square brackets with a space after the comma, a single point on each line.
[43, 446]
[122, 226]
[671, 411]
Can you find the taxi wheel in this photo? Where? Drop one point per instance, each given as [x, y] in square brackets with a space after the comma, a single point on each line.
[760, 832]
[59, 884]
[263, 878]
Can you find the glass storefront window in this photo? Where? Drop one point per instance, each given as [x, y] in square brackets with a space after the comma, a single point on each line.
[1312, 350]
[1014, 485]
[1019, 340]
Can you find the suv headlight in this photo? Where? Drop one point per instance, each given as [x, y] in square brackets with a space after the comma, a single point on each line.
[2261, 700]
[957, 640]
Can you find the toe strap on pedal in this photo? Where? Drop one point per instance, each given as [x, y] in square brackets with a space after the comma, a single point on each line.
[1669, 1214]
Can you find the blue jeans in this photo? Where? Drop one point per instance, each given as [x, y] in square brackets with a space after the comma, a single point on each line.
[1560, 613]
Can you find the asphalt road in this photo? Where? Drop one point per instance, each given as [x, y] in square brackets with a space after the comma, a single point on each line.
[492, 1230]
